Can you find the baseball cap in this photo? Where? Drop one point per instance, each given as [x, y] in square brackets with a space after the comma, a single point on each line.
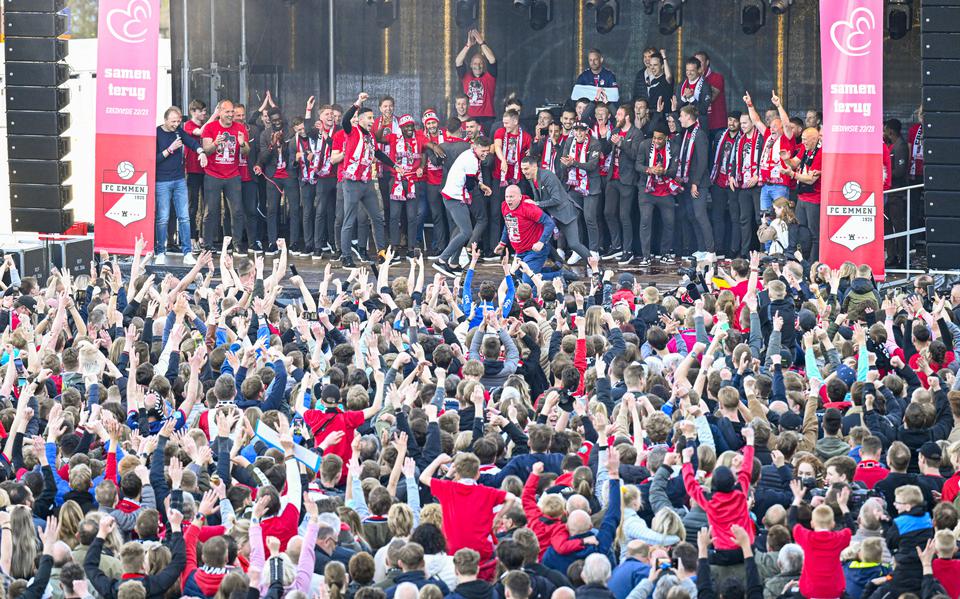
[580, 125]
[931, 451]
[28, 302]
[626, 280]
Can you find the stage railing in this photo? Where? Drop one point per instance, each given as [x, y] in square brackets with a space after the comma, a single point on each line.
[913, 194]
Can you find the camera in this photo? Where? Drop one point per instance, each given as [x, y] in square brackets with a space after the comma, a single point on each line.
[688, 271]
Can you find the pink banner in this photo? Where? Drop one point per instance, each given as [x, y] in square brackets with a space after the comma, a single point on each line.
[127, 63]
[851, 206]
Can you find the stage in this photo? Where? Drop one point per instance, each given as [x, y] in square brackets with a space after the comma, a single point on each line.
[662, 276]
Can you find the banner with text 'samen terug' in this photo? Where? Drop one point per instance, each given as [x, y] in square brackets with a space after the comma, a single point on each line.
[851, 204]
[127, 63]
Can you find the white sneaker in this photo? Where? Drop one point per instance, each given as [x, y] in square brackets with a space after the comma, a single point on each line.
[160, 259]
[574, 258]
[189, 260]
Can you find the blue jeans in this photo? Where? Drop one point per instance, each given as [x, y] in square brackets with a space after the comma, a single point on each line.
[769, 192]
[175, 191]
[535, 261]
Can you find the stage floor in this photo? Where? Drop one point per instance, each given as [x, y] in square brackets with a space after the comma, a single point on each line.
[662, 276]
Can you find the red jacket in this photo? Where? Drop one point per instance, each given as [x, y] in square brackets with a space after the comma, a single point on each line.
[549, 532]
[205, 579]
[822, 574]
[725, 509]
[947, 573]
[870, 472]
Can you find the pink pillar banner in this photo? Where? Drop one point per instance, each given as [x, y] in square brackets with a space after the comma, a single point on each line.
[127, 64]
[851, 206]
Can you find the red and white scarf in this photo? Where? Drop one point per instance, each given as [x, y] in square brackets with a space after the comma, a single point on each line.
[512, 143]
[696, 87]
[770, 163]
[360, 162]
[723, 159]
[606, 161]
[439, 139]
[326, 169]
[310, 150]
[577, 178]
[916, 153]
[747, 157]
[615, 174]
[686, 152]
[660, 157]
[406, 153]
[549, 154]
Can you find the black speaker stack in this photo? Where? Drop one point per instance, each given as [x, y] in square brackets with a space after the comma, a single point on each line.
[940, 62]
[35, 73]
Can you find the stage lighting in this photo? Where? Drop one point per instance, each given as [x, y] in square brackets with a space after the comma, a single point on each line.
[466, 13]
[753, 15]
[608, 15]
[388, 11]
[521, 3]
[649, 6]
[899, 18]
[591, 4]
[670, 16]
[780, 6]
[541, 13]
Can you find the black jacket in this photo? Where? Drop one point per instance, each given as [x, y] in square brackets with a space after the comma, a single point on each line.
[156, 584]
[699, 171]
[629, 148]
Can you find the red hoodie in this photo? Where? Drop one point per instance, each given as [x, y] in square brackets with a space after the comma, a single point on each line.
[725, 509]
[822, 574]
[870, 472]
[206, 579]
[549, 532]
[947, 572]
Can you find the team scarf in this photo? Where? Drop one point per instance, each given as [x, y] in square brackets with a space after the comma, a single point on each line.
[406, 151]
[394, 128]
[616, 154]
[804, 168]
[440, 138]
[696, 87]
[686, 152]
[511, 154]
[326, 149]
[606, 161]
[577, 178]
[360, 165]
[309, 167]
[747, 157]
[770, 160]
[916, 152]
[722, 159]
[549, 155]
[660, 157]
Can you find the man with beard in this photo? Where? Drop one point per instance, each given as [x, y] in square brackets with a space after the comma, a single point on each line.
[726, 229]
[311, 150]
[480, 80]
[641, 117]
[621, 186]
[275, 163]
[511, 144]
[462, 176]
[325, 196]
[717, 110]
[694, 177]
[655, 167]
[744, 184]
[249, 192]
[549, 195]
[777, 147]
[359, 192]
[407, 189]
[694, 90]
[806, 169]
[223, 141]
[433, 134]
[547, 148]
[580, 161]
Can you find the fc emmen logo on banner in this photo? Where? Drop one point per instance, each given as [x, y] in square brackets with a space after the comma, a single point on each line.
[125, 190]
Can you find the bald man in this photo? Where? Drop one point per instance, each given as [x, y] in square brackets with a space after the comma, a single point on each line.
[805, 169]
[563, 593]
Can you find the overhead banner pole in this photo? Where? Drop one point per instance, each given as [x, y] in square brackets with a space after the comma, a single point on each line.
[851, 206]
[127, 64]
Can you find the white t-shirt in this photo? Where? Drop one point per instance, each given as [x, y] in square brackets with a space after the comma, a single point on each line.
[466, 165]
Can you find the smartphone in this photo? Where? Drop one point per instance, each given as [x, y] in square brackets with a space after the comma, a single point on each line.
[664, 563]
[293, 269]
[930, 291]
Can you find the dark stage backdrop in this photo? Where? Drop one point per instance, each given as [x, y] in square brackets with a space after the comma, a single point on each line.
[287, 46]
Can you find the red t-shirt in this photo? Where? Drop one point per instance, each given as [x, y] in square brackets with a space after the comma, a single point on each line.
[947, 573]
[480, 91]
[822, 574]
[282, 526]
[244, 166]
[717, 112]
[870, 472]
[323, 423]
[192, 159]
[433, 174]
[337, 144]
[815, 165]
[523, 225]
[467, 514]
[772, 169]
[225, 162]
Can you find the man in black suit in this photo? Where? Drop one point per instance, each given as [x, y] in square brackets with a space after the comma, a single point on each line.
[550, 196]
[693, 175]
[622, 185]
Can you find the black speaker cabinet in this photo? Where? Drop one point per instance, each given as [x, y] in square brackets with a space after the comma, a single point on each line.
[40, 49]
[942, 97]
[41, 221]
[941, 125]
[39, 172]
[38, 147]
[49, 197]
[936, 177]
[941, 203]
[34, 24]
[941, 19]
[37, 98]
[941, 71]
[940, 151]
[30, 259]
[47, 74]
[34, 122]
[35, 5]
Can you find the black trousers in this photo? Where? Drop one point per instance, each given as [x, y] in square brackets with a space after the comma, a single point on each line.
[230, 190]
[748, 215]
[723, 224]
[617, 210]
[693, 215]
[324, 212]
[665, 207]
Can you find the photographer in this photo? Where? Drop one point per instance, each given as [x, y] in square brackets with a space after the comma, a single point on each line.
[781, 233]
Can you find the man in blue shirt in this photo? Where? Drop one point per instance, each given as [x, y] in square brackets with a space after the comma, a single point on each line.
[598, 76]
[172, 183]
